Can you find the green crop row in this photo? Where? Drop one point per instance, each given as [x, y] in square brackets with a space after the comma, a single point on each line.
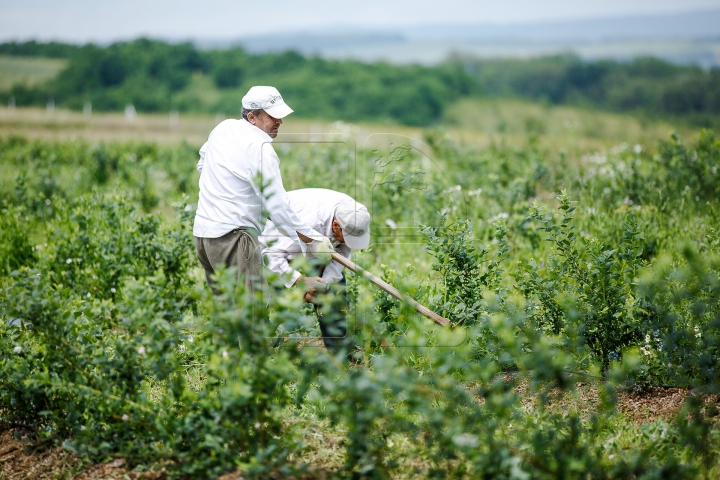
[554, 268]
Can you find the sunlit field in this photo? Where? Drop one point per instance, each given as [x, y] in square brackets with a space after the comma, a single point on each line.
[28, 70]
[473, 121]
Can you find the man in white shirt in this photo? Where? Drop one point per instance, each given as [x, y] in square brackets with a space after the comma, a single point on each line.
[239, 179]
[347, 224]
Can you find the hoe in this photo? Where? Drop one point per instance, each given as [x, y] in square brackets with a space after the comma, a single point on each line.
[423, 310]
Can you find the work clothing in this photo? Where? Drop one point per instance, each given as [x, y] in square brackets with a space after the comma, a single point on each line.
[239, 179]
[329, 307]
[238, 248]
[316, 207]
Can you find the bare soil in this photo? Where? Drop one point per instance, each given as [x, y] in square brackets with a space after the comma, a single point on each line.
[652, 404]
[18, 460]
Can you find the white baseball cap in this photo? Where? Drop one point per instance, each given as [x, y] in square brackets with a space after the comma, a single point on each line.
[267, 98]
[354, 221]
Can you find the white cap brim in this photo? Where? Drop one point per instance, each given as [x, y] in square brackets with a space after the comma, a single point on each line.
[279, 111]
[357, 242]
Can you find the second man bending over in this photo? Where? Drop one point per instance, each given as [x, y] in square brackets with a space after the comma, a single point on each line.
[332, 214]
[346, 223]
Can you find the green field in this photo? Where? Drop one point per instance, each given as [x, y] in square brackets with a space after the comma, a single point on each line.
[576, 252]
[471, 121]
[28, 70]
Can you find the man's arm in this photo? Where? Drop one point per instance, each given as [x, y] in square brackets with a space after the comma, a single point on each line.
[333, 271]
[201, 162]
[276, 203]
[278, 261]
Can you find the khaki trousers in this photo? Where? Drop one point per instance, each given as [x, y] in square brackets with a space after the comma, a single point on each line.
[238, 248]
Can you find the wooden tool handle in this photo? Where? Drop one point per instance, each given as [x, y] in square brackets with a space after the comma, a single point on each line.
[391, 290]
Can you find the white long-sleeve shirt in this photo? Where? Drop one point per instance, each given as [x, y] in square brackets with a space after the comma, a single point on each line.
[235, 162]
[316, 207]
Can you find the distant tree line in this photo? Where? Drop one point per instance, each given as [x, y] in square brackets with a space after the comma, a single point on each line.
[157, 76]
[644, 85]
[38, 49]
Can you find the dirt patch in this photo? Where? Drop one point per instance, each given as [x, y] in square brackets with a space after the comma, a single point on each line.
[18, 461]
[660, 403]
[652, 404]
[116, 469]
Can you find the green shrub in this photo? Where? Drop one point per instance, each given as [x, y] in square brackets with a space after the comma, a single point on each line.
[586, 286]
[15, 248]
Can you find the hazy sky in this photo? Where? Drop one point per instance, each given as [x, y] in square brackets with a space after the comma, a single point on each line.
[105, 20]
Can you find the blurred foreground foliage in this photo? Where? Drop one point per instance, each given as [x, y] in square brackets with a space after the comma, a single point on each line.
[111, 345]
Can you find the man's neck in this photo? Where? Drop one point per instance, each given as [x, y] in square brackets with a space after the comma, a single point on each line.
[269, 138]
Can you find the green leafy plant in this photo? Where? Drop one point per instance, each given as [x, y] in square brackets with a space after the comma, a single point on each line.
[598, 282]
[467, 271]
